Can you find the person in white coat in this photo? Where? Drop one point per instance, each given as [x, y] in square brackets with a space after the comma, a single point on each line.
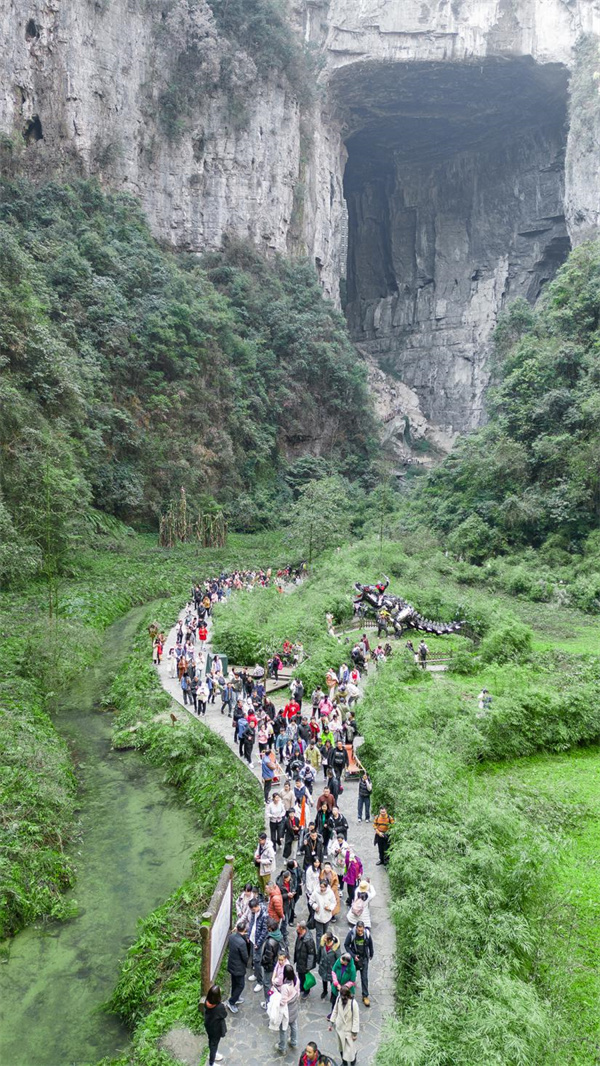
[345, 1019]
[359, 908]
[323, 903]
[264, 859]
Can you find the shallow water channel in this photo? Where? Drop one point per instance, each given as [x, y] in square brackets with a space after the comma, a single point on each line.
[135, 848]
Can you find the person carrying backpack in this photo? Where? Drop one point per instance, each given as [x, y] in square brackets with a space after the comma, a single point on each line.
[359, 908]
[359, 943]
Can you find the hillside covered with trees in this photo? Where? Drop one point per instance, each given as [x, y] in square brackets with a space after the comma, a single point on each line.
[130, 372]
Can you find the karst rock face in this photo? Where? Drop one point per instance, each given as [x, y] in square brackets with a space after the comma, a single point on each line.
[435, 177]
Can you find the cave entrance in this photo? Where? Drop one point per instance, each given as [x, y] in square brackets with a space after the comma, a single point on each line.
[455, 191]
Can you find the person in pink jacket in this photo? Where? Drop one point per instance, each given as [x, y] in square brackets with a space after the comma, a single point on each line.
[290, 998]
[352, 874]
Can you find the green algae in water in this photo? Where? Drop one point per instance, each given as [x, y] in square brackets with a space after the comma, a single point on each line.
[135, 848]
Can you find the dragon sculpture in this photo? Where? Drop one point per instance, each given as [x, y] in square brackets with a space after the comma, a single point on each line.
[392, 612]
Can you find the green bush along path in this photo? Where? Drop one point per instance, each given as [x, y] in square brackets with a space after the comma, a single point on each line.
[249, 1038]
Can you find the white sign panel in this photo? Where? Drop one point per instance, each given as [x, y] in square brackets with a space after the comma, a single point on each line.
[220, 931]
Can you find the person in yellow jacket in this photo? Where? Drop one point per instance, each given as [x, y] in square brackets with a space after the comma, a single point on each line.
[382, 826]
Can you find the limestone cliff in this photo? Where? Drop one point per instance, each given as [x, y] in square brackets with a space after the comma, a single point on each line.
[434, 157]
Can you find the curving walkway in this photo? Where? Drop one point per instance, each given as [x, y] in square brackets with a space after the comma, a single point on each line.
[249, 1040]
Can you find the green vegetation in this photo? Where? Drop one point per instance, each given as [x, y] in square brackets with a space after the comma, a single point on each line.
[567, 967]
[472, 868]
[160, 980]
[37, 805]
[531, 475]
[186, 74]
[40, 658]
[129, 372]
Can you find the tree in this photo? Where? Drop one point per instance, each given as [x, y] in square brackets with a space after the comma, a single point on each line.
[321, 516]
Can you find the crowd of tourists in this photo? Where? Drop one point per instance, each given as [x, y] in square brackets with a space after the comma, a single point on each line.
[305, 920]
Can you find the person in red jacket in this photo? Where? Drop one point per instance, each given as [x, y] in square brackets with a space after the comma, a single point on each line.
[275, 908]
[291, 709]
[202, 633]
[310, 1055]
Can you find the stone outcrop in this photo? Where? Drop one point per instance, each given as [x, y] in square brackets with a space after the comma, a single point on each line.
[431, 159]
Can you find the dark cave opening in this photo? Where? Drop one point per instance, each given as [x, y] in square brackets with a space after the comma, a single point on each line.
[33, 130]
[31, 30]
[455, 192]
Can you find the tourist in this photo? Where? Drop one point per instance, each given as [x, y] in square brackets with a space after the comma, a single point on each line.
[214, 1023]
[287, 796]
[345, 1019]
[359, 908]
[334, 783]
[185, 688]
[257, 934]
[310, 1055]
[275, 812]
[291, 831]
[313, 846]
[305, 956]
[337, 824]
[359, 943]
[264, 860]
[267, 770]
[365, 788]
[237, 963]
[328, 952]
[202, 697]
[272, 948]
[194, 693]
[242, 903]
[275, 909]
[327, 799]
[248, 742]
[287, 882]
[172, 663]
[333, 881]
[322, 902]
[422, 653]
[382, 826]
[313, 755]
[339, 759]
[343, 976]
[290, 998]
[353, 869]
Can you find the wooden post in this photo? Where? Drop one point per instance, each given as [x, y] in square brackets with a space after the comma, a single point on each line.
[215, 916]
[205, 930]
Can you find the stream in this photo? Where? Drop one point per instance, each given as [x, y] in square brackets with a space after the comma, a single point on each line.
[135, 848]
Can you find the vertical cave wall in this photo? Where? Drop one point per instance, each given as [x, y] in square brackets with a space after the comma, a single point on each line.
[455, 194]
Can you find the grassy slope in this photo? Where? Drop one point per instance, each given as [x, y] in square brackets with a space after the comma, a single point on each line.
[569, 964]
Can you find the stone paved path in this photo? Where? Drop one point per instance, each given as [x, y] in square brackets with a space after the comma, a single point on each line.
[249, 1041]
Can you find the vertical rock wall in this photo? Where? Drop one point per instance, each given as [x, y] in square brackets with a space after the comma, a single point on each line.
[451, 212]
[148, 96]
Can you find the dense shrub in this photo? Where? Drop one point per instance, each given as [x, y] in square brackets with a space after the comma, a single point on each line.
[512, 640]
